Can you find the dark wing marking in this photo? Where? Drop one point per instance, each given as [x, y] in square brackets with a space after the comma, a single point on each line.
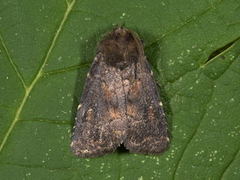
[94, 134]
[147, 132]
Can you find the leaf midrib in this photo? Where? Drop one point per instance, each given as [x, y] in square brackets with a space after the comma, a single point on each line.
[38, 74]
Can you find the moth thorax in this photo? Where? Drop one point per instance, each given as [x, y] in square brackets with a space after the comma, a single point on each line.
[120, 61]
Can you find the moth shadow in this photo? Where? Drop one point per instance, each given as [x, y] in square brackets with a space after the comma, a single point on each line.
[122, 150]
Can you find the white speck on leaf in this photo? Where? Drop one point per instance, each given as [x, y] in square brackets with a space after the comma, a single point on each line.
[28, 174]
[108, 176]
[87, 19]
[123, 15]
[232, 100]
[59, 58]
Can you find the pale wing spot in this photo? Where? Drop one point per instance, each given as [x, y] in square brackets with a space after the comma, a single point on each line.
[126, 82]
[165, 138]
[90, 115]
[90, 110]
[85, 151]
[118, 133]
[79, 106]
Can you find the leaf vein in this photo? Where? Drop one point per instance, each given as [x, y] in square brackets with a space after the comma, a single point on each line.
[192, 19]
[14, 66]
[35, 166]
[66, 69]
[229, 164]
[38, 75]
[190, 139]
[42, 120]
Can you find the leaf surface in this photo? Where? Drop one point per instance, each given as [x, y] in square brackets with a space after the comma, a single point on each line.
[46, 49]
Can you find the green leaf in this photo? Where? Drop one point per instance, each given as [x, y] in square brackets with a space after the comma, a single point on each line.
[46, 48]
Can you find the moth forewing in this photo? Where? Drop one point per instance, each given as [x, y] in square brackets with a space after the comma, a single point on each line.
[120, 101]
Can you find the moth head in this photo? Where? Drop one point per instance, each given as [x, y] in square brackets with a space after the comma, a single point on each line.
[121, 48]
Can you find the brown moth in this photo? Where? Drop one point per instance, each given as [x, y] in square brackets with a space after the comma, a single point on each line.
[120, 103]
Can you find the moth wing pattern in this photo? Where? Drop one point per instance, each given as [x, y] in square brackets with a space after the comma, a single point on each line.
[120, 103]
[93, 135]
[147, 132]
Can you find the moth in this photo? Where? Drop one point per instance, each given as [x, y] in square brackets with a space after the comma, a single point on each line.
[120, 103]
